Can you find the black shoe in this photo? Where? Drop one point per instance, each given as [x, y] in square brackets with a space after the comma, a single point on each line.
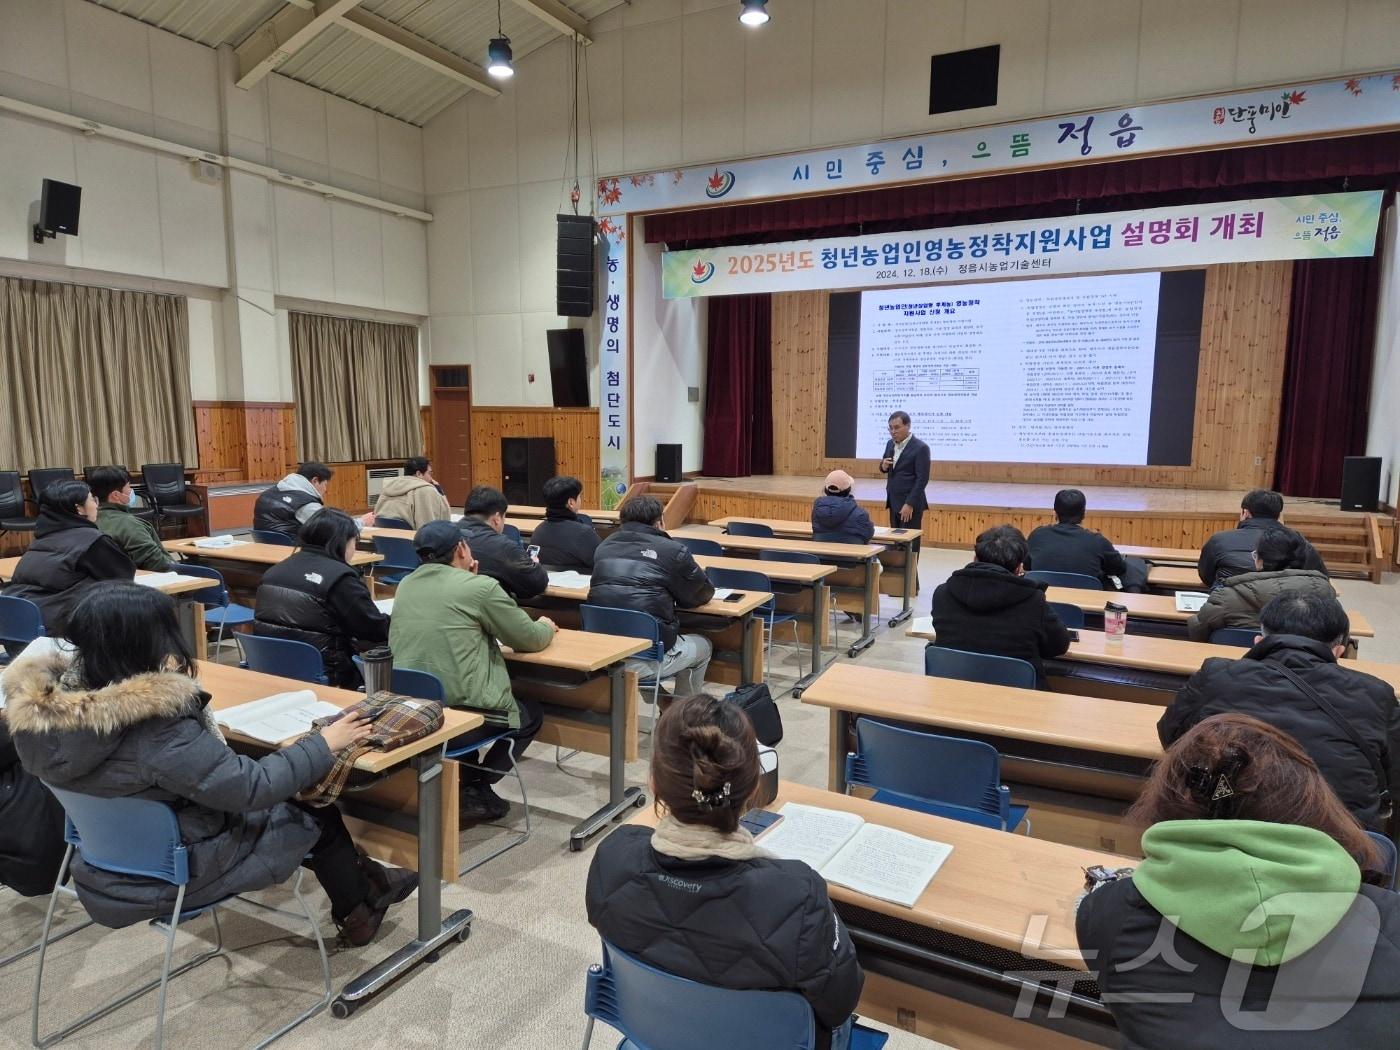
[362, 925]
[478, 802]
[388, 886]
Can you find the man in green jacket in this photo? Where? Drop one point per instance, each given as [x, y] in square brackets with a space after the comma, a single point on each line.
[112, 487]
[448, 620]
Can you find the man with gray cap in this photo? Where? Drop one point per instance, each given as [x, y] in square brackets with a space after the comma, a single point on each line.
[449, 620]
[837, 517]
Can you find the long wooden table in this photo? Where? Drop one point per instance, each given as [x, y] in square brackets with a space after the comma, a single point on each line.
[526, 510]
[1160, 607]
[1161, 555]
[421, 789]
[994, 925]
[263, 554]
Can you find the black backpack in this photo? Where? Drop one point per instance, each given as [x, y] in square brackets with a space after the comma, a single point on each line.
[757, 702]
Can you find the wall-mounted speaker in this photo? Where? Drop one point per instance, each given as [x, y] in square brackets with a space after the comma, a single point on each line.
[1361, 483]
[964, 79]
[59, 203]
[574, 292]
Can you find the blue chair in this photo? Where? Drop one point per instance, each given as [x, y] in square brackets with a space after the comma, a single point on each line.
[1077, 580]
[631, 623]
[283, 657]
[748, 580]
[399, 558]
[749, 528]
[1241, 636]
[219, 610]
[803, 558]
[697, 546]
[20, 623]
[942, 775]
[1389, 855]
[1072, 616]
[656, 1010]
[277, 539]
[513, 533]
[141, 837]
[382, 522]
[977, 667]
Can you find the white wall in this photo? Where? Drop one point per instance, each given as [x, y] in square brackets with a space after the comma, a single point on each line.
[675, 82]
[1383, 434]
[668, 356]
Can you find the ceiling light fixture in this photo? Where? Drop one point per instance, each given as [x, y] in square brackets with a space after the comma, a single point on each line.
[754, 13]
[498, 53]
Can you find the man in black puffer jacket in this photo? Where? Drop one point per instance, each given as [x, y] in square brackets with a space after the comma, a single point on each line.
[836, 515]
[990, 606]
[498, 555]
[566, 538]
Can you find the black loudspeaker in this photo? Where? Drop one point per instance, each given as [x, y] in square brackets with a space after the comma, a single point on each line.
[963, 79]
[668, 463]
[526, 464]
[59, 203]
[568, 367]
[574, 274]
[1361, 483]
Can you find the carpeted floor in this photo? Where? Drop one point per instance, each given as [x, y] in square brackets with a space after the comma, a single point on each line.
[517, 984]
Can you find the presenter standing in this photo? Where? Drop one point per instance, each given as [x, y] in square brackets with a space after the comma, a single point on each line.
[905, 466]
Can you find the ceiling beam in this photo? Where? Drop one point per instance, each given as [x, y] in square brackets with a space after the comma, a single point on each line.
[414, 47]
[558, 17]
[283, 35]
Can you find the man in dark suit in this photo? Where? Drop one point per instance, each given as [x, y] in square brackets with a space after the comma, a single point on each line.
[905, 466]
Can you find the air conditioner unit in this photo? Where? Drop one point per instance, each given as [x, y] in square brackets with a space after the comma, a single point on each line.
[375, 478]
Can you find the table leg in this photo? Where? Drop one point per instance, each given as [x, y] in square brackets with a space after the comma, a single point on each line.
[434, 931]
[871, 607]
[911, 576]
[620, 796]
[837, 746]
[818, 614]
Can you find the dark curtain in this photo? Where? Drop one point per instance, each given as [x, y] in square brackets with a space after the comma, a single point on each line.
[739, 387]
[1327, 375]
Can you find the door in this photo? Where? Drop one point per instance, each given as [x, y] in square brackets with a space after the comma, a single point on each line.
[452, 431]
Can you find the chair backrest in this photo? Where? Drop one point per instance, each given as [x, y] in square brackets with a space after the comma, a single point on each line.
[739, 579]
[131, 836]
[698, 546]
[977, 667]
[1241, 636]
[749, 528]
[656, 1010]
[398, 553]
[1072, 616]
[927, 766]
[423, 685]
[513, 533]
[164, 483]
[1066, 579]
[41, 478]
[279, 539]
[215, 595]
[1388, 855]
[382, 522]
[11, 495]
[629, 623]
[792, 557]
[282, 656]
[20, 621]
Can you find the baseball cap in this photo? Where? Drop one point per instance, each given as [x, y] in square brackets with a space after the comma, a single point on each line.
[838, 481]
[436, 540]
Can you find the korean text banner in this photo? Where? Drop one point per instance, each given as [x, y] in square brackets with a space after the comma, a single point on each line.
[1326, 226]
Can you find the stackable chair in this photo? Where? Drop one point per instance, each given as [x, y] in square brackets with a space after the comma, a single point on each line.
[392, 523]
[220, 611]
[20, 623]
[749, 528]
[1241, 636]
[1072, 616]
[282, 656]
[695, 545]
[747, 580]
[978, 667]
[400, 559]
[1077, 580]
[277, 539]
[631, 623]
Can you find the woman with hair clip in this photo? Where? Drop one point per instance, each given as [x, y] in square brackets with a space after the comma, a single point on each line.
[1250, 922]
[698, 899]
[315, 596]
[125, 717]
[1279, 556]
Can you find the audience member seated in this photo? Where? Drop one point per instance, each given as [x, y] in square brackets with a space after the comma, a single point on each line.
[1067, 546]
[126, 717]
[990, 606]
[414, 497]
[497, 555]
[698, 899]
[31, 826]
[1279, 556]
[448, 620]
[314, 596]
[111, 486]
[566, 538]
[1250, 921]
[295, 500]
[838, 512]
[1231, 552]
[68, 557]
[640, 567]
[1294, 680]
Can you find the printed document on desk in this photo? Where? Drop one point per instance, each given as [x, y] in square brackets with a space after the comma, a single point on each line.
[165, 579]
[571, 579]
[1190, 601]
[214, 543]
[276, 718]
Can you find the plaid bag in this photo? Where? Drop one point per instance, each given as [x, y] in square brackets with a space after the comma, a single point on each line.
[398, 720]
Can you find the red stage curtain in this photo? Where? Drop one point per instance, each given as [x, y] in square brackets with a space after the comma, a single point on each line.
[739, 387]
[1327, 378]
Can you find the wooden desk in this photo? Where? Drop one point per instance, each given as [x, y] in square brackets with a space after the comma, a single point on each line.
[1007, 893]
[600, 517]
[1160, 607]
[263, 554]
[1174, 578]
[419, 792]
[1161, 555]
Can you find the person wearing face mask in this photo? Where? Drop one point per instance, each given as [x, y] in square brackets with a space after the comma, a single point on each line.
[69, 556]
[111, 486]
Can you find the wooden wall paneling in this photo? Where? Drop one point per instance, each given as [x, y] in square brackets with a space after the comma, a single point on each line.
[220, 438]
[347, 488]
[575, 433]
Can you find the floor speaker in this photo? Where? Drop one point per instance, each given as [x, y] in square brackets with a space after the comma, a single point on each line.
[526, 464]
[1361, 483]
[668, 463]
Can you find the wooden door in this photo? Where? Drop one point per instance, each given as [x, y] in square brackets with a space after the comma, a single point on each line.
[452, 444]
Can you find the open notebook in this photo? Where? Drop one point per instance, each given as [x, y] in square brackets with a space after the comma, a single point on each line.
[868, 858]
[276, 718]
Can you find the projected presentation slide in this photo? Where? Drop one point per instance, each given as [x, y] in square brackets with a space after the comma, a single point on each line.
[1088, 370]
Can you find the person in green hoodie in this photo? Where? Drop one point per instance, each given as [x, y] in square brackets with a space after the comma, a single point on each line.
[112, 487]
[1253, 920]
[448, 620]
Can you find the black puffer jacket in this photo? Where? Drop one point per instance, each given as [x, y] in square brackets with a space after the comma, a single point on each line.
[1252, 685]
[640, 567]
[984, 608]
[843, 516]
[68, 558]
[504, 560]
[1231, 552]
[1063, 547]
[756, 923]
[314, 598]
[31, 826]
[566, 541]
